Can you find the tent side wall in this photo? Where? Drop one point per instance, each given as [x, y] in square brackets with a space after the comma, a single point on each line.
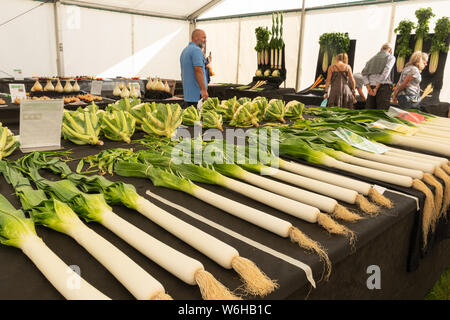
[368, 24]
[28, 42]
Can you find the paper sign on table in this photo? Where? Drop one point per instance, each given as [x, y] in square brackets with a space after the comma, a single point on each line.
[382, 124]
[410, 116]
[359, 142]
[18, 75]
[17, 90]
[96, 87]
[40, 124]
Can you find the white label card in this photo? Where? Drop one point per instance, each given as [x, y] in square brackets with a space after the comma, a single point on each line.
[96, 87]
[18, 74]
[17, 90]
[40, 124]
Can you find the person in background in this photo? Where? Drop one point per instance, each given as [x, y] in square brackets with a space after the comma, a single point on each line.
[359, 83]
[378, 77]
[407, 92]
[193, 71]
[207, 65]
[339, 76]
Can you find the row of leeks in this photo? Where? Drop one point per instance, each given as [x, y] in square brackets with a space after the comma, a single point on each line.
[18, 231]
[93, 207]
[243, 112]
[293, 201]
[316, 142]
[8, 142]
[57, 215]
[428, 135]
[118, 193]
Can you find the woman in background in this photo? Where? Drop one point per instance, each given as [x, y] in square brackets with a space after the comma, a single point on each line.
[339, 76]
[407, 92]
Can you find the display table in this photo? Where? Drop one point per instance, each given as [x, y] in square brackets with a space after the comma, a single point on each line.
[384, 241]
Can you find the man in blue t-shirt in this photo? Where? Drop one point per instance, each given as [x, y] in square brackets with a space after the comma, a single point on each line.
[193, 73]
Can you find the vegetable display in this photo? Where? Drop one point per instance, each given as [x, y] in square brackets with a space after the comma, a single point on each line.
[118, 193]
[191, 116]
[93, 207]
[82, 126]
[58, 216]
[262, 45]
[423, 19]
[333, 43]
[403, 50]
[153, 165]
[439, 42]
[211, 119]
[8, 142]
[18, 231]
[118, 125]
[164, 120]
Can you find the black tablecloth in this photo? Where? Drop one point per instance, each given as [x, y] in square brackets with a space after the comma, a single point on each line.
[21, 280]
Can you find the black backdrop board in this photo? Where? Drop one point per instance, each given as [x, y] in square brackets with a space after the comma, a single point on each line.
[381, 241]
[436, 79]
[351, 60]
[272, 82]
[319, 92]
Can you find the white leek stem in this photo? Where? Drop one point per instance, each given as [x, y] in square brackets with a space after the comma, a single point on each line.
[313, 199]
[395, 161]
[140, 283]
[256, 217]
[60, 275]
[420, 155]
[435, 127]
[175, 262]
[435, 132]
[213, 248]
[379, 166]
[402, 157]
[322, 175]
[396, 179]
[421, 144]
[432, 138]
[289, 206]
[330, 190]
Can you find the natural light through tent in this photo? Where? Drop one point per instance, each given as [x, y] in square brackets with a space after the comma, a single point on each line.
[131, 66]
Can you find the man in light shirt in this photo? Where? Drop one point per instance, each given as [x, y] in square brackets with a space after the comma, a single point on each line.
[378, 77]
[193, 73]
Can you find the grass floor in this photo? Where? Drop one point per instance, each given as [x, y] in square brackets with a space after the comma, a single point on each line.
[441, 289]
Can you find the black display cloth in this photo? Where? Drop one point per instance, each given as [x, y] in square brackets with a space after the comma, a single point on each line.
[219, 91]
[21, 280]
[269, 94]
[315, 100]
